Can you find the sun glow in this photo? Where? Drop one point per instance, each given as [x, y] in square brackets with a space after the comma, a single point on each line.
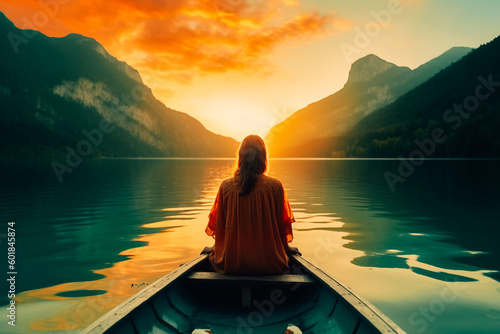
[265, 55]
[235, 116]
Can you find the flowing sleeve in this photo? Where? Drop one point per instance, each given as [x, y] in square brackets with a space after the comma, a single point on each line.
[212, 216]
[287, 219]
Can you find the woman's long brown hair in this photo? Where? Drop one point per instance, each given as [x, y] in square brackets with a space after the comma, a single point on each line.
[252, 162]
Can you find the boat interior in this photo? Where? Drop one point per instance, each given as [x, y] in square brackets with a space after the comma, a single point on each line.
[204, 301]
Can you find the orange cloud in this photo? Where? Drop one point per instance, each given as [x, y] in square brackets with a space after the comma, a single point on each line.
[182, 37]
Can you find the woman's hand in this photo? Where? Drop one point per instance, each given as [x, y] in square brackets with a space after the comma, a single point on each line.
[207, 250]
[293, 250]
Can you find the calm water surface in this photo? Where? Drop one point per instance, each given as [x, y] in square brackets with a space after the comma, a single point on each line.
[427, 255]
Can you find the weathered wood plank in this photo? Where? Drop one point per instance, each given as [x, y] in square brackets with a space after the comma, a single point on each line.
[345, 304]
[124, 309]
[369, 312]
[286, 278]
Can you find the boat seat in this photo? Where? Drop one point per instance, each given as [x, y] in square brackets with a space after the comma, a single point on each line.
[247, 281]
[285, 278]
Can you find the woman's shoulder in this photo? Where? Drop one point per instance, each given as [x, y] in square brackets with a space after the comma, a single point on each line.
[271, 182]
[264, 182]
[228, 183]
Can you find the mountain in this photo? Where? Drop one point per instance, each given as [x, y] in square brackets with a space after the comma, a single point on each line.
[429, 69]
[372, 84]
[60, 95]
[455, 114]
[367, 68]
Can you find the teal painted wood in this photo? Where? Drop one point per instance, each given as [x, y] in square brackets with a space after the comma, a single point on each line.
[191, 297]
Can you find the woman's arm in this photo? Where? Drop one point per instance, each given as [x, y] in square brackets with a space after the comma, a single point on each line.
[207, 250]
[292, 250]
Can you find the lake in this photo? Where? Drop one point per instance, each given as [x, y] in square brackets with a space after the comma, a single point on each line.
[427, 254]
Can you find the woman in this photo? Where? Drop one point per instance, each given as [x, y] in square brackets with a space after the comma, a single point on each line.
[251, 219]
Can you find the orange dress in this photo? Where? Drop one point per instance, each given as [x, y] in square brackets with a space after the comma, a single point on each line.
[251, 231]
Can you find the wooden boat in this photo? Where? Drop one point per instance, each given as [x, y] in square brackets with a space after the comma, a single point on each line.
[194, 299]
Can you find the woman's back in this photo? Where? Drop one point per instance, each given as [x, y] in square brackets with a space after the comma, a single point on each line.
[251, 231]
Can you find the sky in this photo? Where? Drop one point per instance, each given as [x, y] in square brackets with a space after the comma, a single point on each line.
[242, 66]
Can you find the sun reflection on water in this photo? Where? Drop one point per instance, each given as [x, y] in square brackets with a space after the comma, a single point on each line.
[181, 238]
[399, 260]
